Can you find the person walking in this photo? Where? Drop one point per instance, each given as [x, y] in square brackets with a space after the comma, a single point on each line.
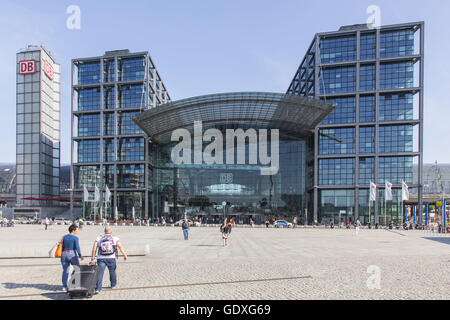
[230, 225]
[357, 225]
[70, 253]
[294, 222]
[185, 228]
[104, 251]
[46, 222]
[252, 223]
[224, 231]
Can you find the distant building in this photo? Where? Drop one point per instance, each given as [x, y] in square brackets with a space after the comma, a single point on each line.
[108, 148]
[38, 127]
[376, 78]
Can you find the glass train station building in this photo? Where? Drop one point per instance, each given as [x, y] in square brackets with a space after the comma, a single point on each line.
[352, 114]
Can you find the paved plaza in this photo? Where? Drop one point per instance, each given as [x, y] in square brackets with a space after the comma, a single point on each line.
[258, 264]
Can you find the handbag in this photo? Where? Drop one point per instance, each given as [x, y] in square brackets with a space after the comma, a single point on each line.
[58, 252]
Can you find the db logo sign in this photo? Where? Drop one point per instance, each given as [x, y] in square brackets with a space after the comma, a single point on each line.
[27, 67]
[48, 69]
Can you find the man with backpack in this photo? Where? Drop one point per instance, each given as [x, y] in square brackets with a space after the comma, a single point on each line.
[105, 247]
[185, 227]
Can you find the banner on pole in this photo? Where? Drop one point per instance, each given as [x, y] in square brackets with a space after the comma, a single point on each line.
[107, 194]
[85, 194]
[405, 191]
[97, 194]
[373, 192]
[388, 191]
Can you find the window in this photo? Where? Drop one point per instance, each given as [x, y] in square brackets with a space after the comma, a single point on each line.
[89, 125]
[397, 43]
[89, 73]
[338, 80]
[396, 139]
[396, 107]
[130, 176]
[395, 169]
[89, 99]
[328, 143]
[344, 112]
[131, 149]
[126, 125]
[366, 140]
[131, 69]
[131, 96]
[367, 77]
[108, 150]
[337, 171]
[367, 109]
[368, 46]
[89, 151]
[109, 98]
[108, 124]
[337, 49]
[366, 171]
[397, 75]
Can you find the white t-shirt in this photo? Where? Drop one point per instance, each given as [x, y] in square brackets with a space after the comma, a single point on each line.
[115, 240]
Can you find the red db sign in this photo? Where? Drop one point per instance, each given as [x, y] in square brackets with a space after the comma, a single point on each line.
[48, 69]
[27, 67]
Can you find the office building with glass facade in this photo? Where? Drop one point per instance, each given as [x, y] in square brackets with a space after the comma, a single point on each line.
[108, 148]
[38, 127]
[375, 76]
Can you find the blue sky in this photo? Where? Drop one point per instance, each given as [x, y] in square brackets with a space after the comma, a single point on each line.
[209, 46]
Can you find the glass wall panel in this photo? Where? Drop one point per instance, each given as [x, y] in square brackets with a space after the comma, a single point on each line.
[337, 80]
[89, 125]
[396, 139]
[367, 140]
[368, 46]
[89, 99]
[397, 43]
[89, 73]
[396, 75]
[89, 151]
[130, 176]
[337, 171]
[337, 206]
[367, 108]
[337, 49]
[344, 112]
[395, 169]
[396, 106]
[337, 141]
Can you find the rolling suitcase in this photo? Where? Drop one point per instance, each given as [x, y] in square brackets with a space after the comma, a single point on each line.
[83, 281]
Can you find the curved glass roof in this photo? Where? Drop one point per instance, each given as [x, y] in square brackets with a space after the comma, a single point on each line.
[254, 109]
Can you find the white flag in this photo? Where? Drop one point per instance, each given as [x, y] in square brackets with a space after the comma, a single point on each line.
[388, 191]
[97, 195]
[107, 194]
[85, 194]
[405, 191]
[373, 191]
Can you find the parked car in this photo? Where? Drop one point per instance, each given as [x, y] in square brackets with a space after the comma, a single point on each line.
[179, 222]
[282, 224]
[61, 221]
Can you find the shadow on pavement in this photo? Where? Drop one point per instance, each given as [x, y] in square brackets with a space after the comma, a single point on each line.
[445, 240]
[207, 245]
[51, 291]
[40, 286]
